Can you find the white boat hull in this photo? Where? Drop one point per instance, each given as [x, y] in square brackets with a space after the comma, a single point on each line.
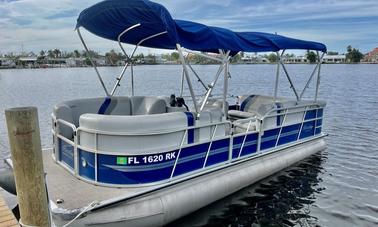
[166, 205]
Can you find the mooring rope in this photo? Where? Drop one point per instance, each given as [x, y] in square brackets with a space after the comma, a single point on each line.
[87, 208]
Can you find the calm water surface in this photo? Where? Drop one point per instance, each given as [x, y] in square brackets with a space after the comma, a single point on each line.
[338, 187]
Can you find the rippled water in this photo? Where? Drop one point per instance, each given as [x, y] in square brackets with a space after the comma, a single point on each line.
[337, 187]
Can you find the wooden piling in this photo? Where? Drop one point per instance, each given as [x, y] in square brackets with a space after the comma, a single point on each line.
[25, 145]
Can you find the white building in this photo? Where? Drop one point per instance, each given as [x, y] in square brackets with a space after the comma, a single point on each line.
[341, 58]
[295, 59]
[6, 62]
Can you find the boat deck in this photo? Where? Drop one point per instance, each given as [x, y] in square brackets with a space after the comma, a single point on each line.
[7, 218]
[77, 193]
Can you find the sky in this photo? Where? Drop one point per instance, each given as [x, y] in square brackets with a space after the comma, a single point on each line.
[34, 25]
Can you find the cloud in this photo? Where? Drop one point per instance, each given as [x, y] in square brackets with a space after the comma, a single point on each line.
[64, 14]
[45, 24]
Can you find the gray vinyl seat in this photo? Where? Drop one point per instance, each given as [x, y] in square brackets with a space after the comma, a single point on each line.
[141, 105]
[71, 111]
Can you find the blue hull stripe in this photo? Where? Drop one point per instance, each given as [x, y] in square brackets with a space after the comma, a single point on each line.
[190, 118]
[278, 112]
[105, 105]
[148, 168]
[66, 153]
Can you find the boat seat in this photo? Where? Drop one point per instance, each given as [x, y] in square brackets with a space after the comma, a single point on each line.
[142, 105]
[71, 111]
[242, 127]
[237, 114]
[140, 133]
[259, 104]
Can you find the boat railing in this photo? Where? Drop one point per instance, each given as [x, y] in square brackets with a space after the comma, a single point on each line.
[261, 126]
[254, 127]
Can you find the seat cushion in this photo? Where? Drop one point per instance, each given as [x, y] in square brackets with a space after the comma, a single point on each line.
[141, 105]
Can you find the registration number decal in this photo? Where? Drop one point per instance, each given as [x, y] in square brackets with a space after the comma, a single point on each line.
[145, 159]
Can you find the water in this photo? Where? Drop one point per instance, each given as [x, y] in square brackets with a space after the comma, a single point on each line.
[338, 187]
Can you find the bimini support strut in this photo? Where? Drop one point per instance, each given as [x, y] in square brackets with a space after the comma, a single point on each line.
[320, 60]
[279, 56]
[129, 61]
[289, 78]
[226, 60]
[186, 72]
[316, 69]
[198, 77]
[93, 62]
[212, 85]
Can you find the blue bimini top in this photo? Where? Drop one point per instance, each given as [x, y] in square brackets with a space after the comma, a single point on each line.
[108, 19]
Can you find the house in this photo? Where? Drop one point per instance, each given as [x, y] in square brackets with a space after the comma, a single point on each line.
[295, 59]
[7, 63]
[372, 56]
[28, 61]
[340, 58]
[75, 62]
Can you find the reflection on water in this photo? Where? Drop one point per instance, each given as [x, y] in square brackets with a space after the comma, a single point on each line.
[280, 200]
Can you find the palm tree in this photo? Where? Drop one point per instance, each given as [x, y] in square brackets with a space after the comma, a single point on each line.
[76, 54]
[57, 53]
[50, 53]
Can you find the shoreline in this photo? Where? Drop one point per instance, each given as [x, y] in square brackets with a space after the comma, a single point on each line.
[89, 66]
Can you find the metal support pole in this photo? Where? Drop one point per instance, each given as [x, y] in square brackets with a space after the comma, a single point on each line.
[290, 81]
[132, 78]
[199, 78]
[132, 54]
[277, 76]
[203, 55]
[225, 82]
[120, 36]
[93, 62]
[182, 82]
[309, 80]
[25, 144]
[186, 72]
[211, 86]
[318, 79]
[312, 75]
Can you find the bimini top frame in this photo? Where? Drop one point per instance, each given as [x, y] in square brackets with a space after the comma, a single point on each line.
[149, 24]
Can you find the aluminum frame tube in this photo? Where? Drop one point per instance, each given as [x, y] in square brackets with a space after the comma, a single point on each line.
[225, 82]
[277, 75]
[132, 54]
[320, 59]
[290, 81]
[93, 63]
[211, 86]
[186, 72]
[198, 77]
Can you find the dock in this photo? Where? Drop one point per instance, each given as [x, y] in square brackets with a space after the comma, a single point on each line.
[7, 219]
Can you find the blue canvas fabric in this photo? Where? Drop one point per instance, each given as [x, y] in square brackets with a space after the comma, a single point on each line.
[273, 42]
[110, 18]
[196, 36]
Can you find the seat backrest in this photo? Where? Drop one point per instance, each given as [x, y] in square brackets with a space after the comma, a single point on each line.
[64, 112]
[258, 104]
[142, 105]
[142, 133]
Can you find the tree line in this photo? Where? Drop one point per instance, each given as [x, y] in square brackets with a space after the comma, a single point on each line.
[353, 55]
